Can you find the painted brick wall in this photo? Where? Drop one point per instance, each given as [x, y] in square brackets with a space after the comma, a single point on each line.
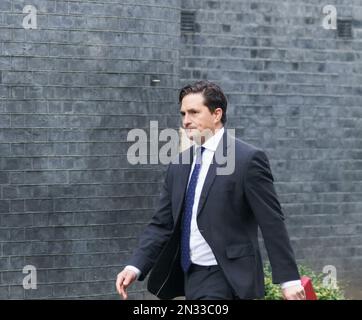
[294, 90]
[70, 90]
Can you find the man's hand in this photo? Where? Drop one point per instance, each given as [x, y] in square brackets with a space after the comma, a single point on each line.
[294, 293]
[124, 279]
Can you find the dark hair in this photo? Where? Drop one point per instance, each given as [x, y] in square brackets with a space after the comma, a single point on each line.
[212, 93]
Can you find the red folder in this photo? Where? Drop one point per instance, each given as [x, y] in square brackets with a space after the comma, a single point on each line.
[308, 288]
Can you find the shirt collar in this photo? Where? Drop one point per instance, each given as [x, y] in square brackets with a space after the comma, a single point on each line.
[212, 143]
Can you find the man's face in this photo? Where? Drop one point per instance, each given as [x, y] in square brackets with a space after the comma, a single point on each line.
[197, 120]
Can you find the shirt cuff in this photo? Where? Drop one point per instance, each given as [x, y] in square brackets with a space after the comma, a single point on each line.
[291, 283]
[134, 269]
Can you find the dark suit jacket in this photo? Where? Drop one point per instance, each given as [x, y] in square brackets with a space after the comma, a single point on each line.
[230, 210]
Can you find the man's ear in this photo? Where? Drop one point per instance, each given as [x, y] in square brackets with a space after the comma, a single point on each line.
[218, 114]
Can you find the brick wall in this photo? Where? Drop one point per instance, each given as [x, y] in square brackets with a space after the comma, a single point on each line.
[294, 90]
[70, 91]
[71, 204]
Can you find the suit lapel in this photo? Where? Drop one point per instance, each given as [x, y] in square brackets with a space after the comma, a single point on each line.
[183, 176]
[184, 173]
[211, 174]
[210, 177]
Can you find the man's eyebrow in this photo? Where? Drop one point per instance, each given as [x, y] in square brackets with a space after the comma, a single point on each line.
[188, 110]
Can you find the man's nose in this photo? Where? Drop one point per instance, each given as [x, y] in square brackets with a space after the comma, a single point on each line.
[186, 121]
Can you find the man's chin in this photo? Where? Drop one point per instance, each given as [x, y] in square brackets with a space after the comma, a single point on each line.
[197, 136]
[190, 133]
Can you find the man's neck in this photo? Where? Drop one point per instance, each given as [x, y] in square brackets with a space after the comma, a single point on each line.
[213, 133]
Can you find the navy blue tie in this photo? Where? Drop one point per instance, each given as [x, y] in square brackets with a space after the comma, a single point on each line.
[189, 203]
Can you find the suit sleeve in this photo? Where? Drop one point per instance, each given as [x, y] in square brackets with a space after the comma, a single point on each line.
[156, 234]
[263, 201]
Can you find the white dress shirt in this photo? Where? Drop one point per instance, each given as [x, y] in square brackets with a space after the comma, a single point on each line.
[200, 251]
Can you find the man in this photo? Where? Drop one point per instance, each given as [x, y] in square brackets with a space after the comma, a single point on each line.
[202, 241]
